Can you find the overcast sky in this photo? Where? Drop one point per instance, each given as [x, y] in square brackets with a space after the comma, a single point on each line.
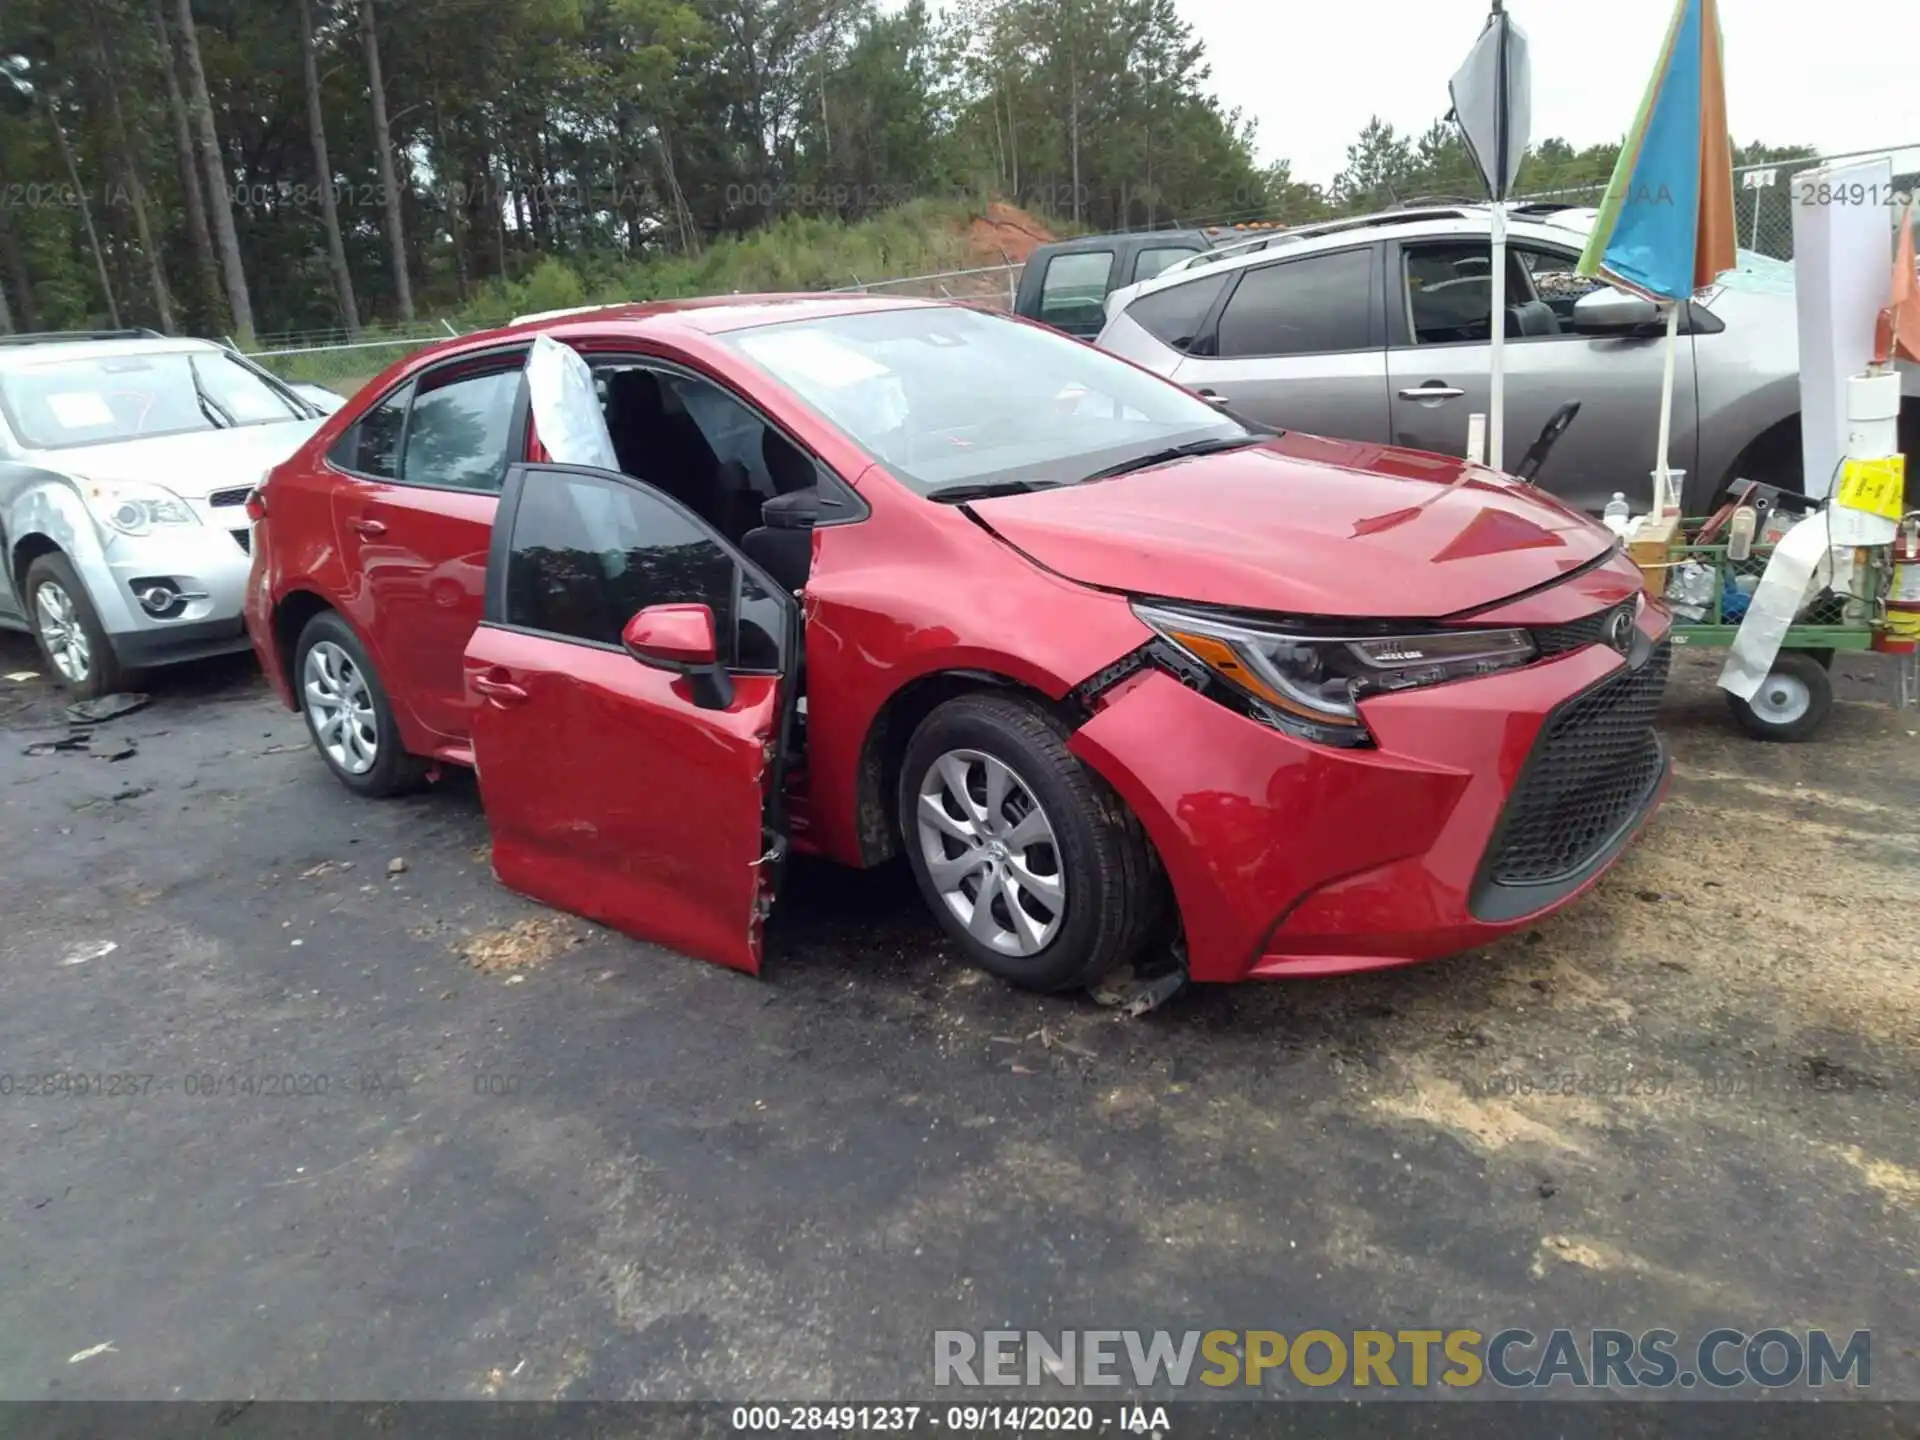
[1834, 74]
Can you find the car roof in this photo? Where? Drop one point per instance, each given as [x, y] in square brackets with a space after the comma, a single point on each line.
[706, 315]
[1533, 222]
[20, 352]
[1146, 239]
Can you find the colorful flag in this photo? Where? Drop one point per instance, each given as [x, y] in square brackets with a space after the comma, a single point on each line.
[1666, 226]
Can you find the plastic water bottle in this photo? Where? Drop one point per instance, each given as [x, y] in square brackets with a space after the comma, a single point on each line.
[1617, 513]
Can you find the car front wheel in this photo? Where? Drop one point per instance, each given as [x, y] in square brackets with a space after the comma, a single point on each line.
[347, 711]
[1033, 866]
[71, 638]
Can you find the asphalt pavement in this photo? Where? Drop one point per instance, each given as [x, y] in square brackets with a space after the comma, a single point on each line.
[296, 1102]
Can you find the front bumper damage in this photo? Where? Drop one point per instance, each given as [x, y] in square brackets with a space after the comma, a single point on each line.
[1289, 859]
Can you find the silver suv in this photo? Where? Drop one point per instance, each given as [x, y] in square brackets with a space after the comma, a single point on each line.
[1377, 328]
[126, 458]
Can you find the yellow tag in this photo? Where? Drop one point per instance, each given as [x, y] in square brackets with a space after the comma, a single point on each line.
[1878, 487]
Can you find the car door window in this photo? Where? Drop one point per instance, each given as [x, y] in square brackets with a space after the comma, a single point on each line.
[1556, 281]
[371, 446]
[1176, 314]
[1150, 262]
[1450, 295]
[1312, 306]
[1073, 288]
[458, 433]
[588, 552]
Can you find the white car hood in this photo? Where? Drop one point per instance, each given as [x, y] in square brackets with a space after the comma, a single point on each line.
[193, 465]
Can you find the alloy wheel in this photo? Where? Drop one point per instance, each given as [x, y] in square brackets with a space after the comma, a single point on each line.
[62, 633]
[340, 708]
[991, 852]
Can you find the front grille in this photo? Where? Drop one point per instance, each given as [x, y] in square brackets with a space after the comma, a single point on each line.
[1592, 767]
[230, 497]
[243, 538]
[1588, 630]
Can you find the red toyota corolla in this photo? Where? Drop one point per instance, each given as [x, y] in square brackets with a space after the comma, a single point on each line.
[1122, 677]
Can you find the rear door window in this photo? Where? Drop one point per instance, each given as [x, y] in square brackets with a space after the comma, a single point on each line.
[459, 433]
[1149, 263]
[1176, 314]
[371, 446]
[1316, 305]
[1073, 289]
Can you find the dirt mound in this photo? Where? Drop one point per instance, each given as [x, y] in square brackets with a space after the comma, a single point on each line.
[1006, 234]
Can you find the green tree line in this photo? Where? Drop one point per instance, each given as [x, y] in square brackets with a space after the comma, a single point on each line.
[244, 167]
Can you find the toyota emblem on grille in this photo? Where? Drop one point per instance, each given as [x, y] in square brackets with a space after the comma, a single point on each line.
[1620, 629]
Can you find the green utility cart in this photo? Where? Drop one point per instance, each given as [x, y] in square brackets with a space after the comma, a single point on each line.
[1709, 594]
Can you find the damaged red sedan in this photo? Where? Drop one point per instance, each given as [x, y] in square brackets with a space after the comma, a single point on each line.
[1120, 675]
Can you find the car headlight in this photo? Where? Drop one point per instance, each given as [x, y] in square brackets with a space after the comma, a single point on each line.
[1310, 682]
[134, 507]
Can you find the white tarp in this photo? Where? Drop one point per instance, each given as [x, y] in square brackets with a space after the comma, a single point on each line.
[1794, 569]
[566, 409]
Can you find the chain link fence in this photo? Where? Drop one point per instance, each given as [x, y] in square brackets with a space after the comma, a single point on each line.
[993, 286]
[1763, 195]
[342, 362]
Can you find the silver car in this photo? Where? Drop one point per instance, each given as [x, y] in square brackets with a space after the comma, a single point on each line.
[1376, 328]
[125, 463]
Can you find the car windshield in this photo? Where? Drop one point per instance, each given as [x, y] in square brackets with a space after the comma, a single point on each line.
[948, 398]
[106, 398]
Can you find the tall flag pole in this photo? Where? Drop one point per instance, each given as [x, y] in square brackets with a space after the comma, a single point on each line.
[1666, 226]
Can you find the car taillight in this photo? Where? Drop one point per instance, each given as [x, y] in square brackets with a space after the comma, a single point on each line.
[256, 506]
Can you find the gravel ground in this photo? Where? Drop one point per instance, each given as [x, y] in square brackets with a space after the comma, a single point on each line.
[550, 1162]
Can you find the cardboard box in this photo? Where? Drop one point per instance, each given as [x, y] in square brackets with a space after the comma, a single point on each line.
[1652, 550]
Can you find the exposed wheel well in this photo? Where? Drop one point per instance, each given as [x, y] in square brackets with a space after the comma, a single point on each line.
[28, 549]
[290, 617]
[886, 746]
[1773, 458]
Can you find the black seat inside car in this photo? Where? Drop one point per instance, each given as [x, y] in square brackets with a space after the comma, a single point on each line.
[1535, 317]
[782, 544]
[662, 447]
[787, 464]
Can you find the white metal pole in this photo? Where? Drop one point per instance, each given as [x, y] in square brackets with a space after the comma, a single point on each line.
[1661, 475]
[1497, 359]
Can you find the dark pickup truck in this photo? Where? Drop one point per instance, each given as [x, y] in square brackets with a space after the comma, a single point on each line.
[1065, 283]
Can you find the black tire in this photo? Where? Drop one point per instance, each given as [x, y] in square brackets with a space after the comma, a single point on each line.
[1778, 717]
[394, 771]
[104, 675]
[1113, 892]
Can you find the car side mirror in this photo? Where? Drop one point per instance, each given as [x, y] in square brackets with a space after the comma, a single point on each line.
[1609, 311]
[680, 639]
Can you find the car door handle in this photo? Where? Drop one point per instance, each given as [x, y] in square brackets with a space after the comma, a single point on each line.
[497, 689]
[369, 528]
[1433, 390]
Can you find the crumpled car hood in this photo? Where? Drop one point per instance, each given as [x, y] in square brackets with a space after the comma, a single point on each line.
[1306, 526]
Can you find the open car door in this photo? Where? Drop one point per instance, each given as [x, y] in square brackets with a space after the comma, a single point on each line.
[630, 674]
